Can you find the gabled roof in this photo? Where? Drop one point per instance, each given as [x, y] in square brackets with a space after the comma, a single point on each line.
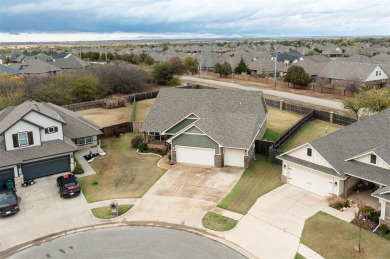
[347, 70]
[362, 136]
[383, 193]
[229, 117]
[69, 62]
[35, 66]
[13, 114]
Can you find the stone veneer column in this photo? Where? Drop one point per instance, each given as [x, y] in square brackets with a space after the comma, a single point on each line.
[218, 161]
[173, 157]
[283, 178]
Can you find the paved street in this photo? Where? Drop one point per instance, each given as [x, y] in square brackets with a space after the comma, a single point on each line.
[301, 98]
[131, 242]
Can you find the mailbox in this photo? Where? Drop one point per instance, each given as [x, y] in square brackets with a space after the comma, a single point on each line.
[114, 209]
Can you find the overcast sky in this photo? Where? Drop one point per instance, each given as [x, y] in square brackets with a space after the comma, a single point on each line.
[201, 17]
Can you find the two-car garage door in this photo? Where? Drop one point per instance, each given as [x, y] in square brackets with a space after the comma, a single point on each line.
[193, 155]
[46, 167]
[314, 182]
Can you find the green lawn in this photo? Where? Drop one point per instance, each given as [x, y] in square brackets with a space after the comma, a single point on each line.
[310, 131]
[278, 122]
[299, 256]
[260, 178]
[218, 222]
[122, 173]
[335, 238]
[105, 212]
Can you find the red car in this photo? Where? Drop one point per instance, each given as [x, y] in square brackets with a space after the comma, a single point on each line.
[68, 185]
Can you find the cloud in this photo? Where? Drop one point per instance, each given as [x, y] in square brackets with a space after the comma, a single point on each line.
[292, 17]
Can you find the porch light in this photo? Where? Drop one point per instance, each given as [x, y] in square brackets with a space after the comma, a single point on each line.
[335, 183]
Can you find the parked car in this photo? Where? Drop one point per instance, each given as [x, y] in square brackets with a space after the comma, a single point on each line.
[8, 202]
[69, 187]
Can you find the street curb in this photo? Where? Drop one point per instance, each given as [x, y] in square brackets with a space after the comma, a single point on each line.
[36, 242]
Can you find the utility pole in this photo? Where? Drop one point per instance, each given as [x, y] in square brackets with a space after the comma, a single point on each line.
[200, 63]
[276, 60]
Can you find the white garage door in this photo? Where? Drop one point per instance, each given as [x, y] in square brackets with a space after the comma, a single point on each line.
[192, 155]
[234, 157]
[313, 182]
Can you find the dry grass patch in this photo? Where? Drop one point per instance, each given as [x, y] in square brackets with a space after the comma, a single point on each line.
[107, 117]
[122, 173]
[310, 131]
[142, 109]
[278, 122]
[335, 238]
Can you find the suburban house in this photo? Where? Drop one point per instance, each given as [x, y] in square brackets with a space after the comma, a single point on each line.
[39, 139]
[35, 67]
[338, 162]
[207, 127]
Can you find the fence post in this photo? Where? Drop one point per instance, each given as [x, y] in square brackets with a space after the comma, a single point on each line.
[331, 114]
[281, 104]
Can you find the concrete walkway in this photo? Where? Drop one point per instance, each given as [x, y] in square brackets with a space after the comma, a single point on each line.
[106, 203]
[79, 155]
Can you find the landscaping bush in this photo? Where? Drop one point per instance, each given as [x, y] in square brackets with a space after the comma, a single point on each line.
[114, 103]
[384, 228]
[136, 141]
[79, 169]
[143, 147]
[336, 202]
[387, 236]
[159, 151]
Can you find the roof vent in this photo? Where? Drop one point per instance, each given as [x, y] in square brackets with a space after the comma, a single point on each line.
[36, 106]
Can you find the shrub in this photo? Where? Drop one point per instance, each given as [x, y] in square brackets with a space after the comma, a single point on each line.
[79, 169]
[159, 151]
[95, 182]
[384, 228]
[136, 141]
[174, 81]
[114, 103]
[336, 202]
[143, 147]
[387, 236]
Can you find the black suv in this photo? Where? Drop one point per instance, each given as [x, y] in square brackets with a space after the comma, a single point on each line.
[8, 202]
[69, 186]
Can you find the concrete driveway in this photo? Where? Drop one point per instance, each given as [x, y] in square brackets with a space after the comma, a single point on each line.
[184, 194]
[273, 226]
[43, 212]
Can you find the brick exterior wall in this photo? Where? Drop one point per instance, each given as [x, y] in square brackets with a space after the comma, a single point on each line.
[249, 158]
[218, 161]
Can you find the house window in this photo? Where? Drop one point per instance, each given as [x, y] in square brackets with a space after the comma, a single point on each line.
[156, 135]
[51, 130]
[373, 159]
[376, 73]
[84, 141]
[379, 72]
[309, 152]
[387, 211]
[23, 139]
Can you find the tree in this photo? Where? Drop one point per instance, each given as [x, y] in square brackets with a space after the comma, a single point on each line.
[358, 48]
[242, 67]
[297, 75]
[223, 69]
[164, 73]
[191, 64]
[374, 100]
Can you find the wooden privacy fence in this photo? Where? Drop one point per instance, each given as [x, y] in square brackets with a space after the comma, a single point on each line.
[115, 130]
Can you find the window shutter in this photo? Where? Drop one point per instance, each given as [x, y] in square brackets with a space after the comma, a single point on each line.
[46, 130]
[15, 140]
[55, 129]
[30, 138]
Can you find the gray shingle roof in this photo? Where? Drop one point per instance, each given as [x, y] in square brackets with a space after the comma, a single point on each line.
[13, 114]
[313, 166]
[347, 70]
[353, 140]
[47, 148]
[35, 66]
[229, 117]
[69, 62]
[8, 70]
[383, 193]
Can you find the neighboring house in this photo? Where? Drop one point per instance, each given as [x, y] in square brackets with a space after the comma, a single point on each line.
[8, 70]
[35, 67]
[342, 72]
[207, 127]
[39, 139]
[336, 163]
[70, 61]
